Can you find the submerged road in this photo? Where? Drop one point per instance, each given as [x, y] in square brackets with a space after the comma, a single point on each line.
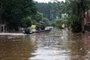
[55, 45]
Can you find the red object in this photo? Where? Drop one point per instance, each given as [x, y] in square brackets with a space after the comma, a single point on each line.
[86, 20]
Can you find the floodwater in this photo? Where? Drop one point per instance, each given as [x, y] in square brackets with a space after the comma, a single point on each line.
[54, 45]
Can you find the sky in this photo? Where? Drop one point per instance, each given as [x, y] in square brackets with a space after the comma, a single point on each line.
[46, 1]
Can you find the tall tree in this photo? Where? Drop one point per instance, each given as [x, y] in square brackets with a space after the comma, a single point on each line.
[76, 10]
[50, 10]
[15, 10]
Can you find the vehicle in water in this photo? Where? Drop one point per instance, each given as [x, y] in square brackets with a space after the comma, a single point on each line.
[37, 29]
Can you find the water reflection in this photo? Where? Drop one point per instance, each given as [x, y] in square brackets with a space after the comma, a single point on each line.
[79, 46]
[52, 46]
[58, 45]
[16, 49]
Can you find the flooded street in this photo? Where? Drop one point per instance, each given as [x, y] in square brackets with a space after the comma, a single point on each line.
[55, 45]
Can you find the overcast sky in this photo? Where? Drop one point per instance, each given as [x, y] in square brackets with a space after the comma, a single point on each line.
[46, 0]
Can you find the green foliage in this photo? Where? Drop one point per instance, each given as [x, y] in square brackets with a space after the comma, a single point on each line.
[38, 17]
[33, 22]
[51, 10]
[76, 10]
[26, 22]
[46, 21]
[76, 23]
[59, 23]
[15, 10]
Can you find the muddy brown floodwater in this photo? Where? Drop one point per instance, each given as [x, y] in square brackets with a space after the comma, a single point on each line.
[55, 45]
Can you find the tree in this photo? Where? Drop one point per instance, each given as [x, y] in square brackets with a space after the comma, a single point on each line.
[15, 10]
[26, 22]
[38, 17]
[50, 10]
[76, 10]
[59, 23]
[46, 21]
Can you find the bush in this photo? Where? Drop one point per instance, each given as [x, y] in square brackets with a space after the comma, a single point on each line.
[26, 22]
[59, 23]
[75, 23]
